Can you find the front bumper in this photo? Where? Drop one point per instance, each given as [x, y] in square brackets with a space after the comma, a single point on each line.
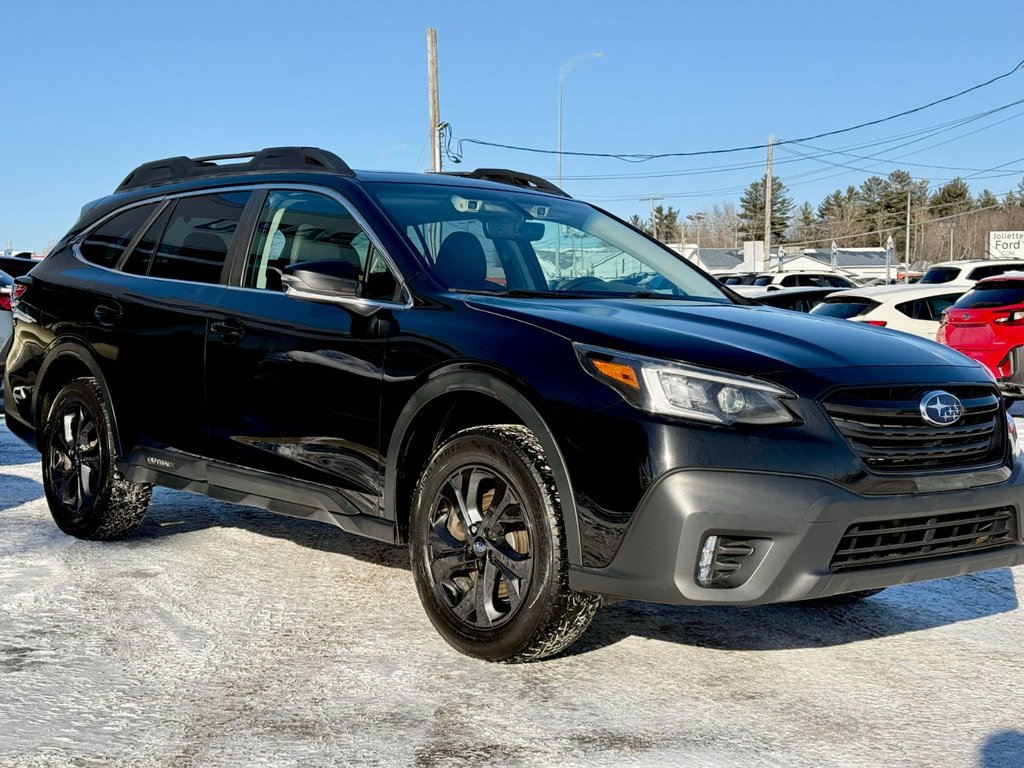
[802, 520]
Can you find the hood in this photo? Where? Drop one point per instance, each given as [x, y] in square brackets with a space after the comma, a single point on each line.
[750, 340]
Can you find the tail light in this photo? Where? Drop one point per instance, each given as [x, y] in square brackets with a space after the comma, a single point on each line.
[5, 301]
[876, 323]
[16, 292]
[1014, 318]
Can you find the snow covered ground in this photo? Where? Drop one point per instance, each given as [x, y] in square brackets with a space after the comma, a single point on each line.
[227, 636]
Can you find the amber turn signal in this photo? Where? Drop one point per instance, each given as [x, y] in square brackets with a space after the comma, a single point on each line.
[617, 372]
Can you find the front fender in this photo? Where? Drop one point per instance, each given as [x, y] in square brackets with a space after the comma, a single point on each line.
[488, 384]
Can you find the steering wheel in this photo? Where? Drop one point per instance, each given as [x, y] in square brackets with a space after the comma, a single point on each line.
[575, 283]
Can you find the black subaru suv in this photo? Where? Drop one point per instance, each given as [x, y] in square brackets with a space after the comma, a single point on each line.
[546, 405]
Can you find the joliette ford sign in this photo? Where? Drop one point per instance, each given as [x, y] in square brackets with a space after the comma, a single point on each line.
[1005, 245]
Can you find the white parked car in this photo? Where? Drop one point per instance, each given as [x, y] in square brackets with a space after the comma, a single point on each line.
[915, 309]
[774, 281]
[6, 285]
[968, 272]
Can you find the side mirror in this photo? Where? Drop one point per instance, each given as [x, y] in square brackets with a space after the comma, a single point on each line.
[321, 280]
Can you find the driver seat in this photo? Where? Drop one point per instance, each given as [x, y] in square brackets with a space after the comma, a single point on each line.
[461, 263]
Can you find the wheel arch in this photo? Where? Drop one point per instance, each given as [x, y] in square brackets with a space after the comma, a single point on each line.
[65, 362]
[482, 394]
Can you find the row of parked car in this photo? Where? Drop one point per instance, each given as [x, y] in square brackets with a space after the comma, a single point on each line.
[975, 307]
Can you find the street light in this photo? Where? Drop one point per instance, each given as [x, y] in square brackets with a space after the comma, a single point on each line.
[563, 72]
[697, 218]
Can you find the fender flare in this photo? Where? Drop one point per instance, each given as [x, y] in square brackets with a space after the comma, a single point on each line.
[80, 352]
[486, 384]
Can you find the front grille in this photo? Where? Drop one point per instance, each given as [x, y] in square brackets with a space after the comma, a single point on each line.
[885, 429]
[889, 542]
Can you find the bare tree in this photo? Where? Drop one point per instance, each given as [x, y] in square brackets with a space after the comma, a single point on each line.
[721, 228]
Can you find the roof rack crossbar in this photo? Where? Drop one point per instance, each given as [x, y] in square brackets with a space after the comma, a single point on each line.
[508, 176]
[171, 169]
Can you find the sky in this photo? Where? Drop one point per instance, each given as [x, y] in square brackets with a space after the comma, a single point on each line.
[90, 90]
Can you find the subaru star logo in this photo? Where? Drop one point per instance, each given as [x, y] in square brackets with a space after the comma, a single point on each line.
[941, 408]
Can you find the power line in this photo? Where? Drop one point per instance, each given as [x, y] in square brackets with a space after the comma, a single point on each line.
[814, 175]
[898, 227]
[635, 157]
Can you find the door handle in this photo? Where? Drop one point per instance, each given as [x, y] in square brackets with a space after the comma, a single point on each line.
[230, 331]
[107, 315]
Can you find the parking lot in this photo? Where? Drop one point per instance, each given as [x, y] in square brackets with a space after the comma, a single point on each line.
[227, 636]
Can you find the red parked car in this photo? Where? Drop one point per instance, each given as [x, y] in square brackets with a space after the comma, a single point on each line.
[987, 325]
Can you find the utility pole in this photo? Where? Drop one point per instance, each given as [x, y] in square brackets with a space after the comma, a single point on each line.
[906, 257]
[952, 225]
[654, 221]
[768, 209]
[888, 258]
[435, 106]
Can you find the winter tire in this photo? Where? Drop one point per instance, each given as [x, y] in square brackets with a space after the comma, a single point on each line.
[488, 549]
[88, 497]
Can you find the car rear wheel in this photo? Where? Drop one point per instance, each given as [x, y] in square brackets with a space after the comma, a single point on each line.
[488, 549]
[88, 497]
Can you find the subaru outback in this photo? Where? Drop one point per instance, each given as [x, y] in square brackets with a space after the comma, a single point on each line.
[545, 405]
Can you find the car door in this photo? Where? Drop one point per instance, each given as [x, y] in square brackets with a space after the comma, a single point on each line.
[293, 384]
[151, 317]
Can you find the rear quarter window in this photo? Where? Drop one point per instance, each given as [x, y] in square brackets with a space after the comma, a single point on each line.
[105, 244]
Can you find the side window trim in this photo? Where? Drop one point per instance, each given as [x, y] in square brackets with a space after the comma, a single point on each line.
[119, 266]
[231, 274]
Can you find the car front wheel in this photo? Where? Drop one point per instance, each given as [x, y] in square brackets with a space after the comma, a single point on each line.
[488, 548]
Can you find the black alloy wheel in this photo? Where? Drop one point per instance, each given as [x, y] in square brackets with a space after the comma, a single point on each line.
[487, 543]
[481, 564]
[76, 459]
[88, 497]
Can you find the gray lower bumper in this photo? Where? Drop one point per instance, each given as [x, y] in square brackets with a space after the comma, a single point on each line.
[804, 518]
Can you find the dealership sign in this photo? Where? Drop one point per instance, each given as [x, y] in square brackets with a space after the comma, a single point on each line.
[1005, 245]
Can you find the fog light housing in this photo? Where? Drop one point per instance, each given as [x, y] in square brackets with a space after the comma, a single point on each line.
[727, 562]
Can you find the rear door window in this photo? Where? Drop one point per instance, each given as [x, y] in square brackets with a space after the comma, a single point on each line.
[106, 244]
[198, 236]
[991, 270]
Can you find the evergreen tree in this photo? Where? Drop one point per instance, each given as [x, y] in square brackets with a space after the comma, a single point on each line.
[669, 227]
[951, 198]
[641, 224]
[752, 210]
[986, 199]
[805, 226]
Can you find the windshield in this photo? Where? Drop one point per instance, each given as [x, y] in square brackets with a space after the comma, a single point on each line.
[937, 275]
[484, 240]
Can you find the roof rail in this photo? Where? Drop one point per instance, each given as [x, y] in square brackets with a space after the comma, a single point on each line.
[515, 178]
[181, 168]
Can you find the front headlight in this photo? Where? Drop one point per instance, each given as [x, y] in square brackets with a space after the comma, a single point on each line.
[675, 389]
